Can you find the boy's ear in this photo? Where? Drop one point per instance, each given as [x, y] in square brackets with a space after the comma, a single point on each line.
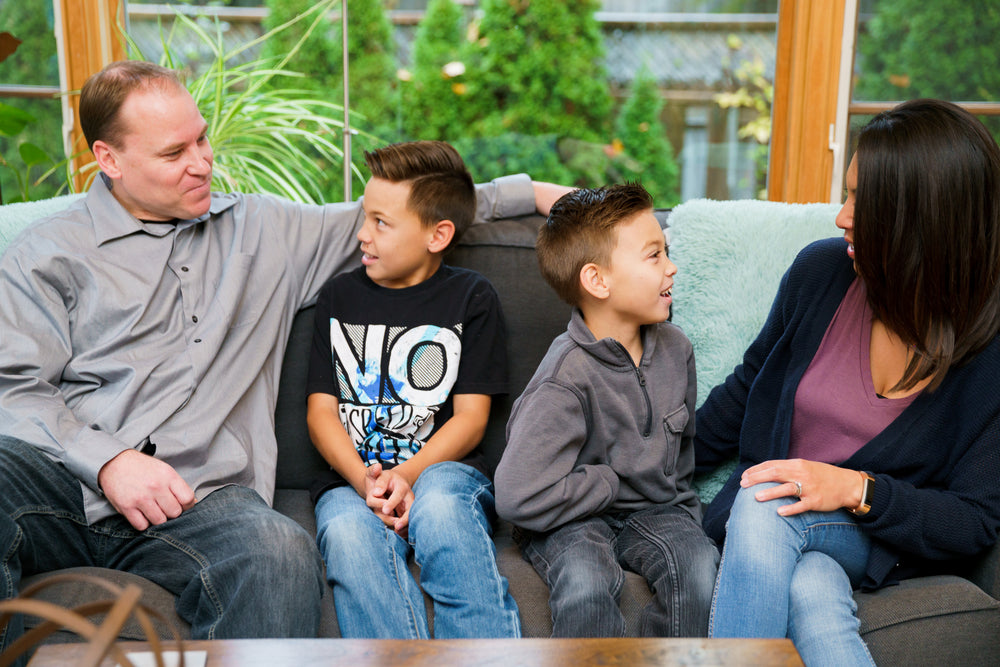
[594, 282]
[107, 159]
[444, 232]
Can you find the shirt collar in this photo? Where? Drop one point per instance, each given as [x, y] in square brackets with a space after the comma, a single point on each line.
[112, 221]
[609, 350]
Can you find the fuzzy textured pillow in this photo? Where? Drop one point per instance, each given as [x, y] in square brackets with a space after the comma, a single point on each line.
[730, 258]
[15, 217]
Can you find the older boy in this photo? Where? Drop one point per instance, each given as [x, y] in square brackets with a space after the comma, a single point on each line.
[599, 459]
[406, 356]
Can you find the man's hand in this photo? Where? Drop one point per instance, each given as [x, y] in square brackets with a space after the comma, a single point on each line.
[389, 495]
[546, 195]
[144, 490]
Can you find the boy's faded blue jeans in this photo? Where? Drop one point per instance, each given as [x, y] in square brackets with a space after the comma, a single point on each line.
[582, 564]
[450, 535]
[239, 569]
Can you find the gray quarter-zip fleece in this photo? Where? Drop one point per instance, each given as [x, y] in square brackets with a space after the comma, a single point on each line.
[594, 433]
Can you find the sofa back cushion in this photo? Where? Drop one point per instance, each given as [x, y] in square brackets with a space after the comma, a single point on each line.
[504, 252]
[730, 257]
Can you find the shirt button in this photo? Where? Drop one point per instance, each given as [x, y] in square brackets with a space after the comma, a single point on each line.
[194, 318]
[197, 340]
[184, 269]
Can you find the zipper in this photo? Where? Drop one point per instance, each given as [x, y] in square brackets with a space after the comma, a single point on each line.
[645, 394]
[649, 405]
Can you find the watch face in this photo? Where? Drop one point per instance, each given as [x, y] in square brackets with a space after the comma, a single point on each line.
[866, 495]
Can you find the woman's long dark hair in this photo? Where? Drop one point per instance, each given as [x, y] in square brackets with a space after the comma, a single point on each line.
[927, 232]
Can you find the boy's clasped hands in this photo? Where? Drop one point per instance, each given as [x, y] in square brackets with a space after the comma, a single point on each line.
[389, 495]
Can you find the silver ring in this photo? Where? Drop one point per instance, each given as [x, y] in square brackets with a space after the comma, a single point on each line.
[798, 489]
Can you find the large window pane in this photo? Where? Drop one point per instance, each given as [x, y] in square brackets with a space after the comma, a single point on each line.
[674, 93]
[33, 63]
[911, 48]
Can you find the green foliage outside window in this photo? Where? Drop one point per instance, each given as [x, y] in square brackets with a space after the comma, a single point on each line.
[434, 91]
[372, 91]
[30, 129]
[914, 48]
[649, 154]
[539, 69]
[532, 93]
[946, 49]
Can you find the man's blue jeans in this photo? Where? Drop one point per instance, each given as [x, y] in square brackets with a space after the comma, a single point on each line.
[450, 536]
[239, 569]
[792, 577]
[582, 564]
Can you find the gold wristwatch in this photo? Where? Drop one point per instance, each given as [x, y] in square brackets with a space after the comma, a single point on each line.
[866, 495]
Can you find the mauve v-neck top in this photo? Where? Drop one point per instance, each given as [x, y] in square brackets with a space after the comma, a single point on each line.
[836, 408]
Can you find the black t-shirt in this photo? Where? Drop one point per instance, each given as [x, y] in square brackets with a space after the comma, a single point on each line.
[394, 358]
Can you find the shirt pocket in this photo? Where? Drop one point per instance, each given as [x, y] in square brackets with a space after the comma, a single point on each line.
[674, 424]
[239, 291]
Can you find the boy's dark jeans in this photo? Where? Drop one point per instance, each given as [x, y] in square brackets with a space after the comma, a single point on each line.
[582, 564]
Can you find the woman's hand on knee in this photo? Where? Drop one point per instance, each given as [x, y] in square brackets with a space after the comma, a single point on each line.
[819, 486]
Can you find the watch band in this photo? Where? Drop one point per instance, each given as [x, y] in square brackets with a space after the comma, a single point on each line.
[867, 491]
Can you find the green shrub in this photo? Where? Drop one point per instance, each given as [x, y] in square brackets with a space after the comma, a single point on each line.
[372, 91]
[30, 129]
[432, 98]
[648, 154]
[540, 70]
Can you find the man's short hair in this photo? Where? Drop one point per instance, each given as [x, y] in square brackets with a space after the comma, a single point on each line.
[581, 229]
[441, 187]
[105, 92]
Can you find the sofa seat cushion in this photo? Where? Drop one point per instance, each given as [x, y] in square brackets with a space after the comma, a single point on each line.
[532, 594]
[942, 620]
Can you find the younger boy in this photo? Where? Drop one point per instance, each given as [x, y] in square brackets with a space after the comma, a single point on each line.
[599, 458]
[406, 355]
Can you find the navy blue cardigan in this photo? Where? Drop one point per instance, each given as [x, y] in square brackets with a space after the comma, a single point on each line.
[936, 466]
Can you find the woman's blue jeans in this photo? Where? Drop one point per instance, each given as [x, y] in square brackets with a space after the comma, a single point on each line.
[582, 563]
[792, 577]
[450, 536]
[239, 569]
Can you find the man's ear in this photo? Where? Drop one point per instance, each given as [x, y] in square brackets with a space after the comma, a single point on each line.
[107, 159]
[593, 281]
[444, 232]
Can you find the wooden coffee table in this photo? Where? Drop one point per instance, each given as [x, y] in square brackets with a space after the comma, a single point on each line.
[628, 652]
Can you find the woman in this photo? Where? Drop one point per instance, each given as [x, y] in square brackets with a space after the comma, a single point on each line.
[867, 411]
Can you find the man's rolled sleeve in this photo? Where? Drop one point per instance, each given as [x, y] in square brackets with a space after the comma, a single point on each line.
[88, 453]
[505, 197]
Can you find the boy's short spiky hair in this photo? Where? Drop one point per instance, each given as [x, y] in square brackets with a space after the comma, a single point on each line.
[441, 187]
[581, 230]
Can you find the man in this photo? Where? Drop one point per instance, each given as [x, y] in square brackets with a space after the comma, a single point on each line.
[143, 331]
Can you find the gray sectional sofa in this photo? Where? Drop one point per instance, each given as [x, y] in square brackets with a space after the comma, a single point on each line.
[730, 256]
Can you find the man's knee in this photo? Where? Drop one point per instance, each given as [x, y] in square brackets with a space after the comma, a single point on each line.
[268, 546]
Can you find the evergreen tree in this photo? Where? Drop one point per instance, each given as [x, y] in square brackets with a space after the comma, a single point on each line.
[433, 97]
[372, 54]
[541, 69]
[373, 95]
[945, 49]
[895, 46]
[537, 87]
[648, 154]
[317, 59]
